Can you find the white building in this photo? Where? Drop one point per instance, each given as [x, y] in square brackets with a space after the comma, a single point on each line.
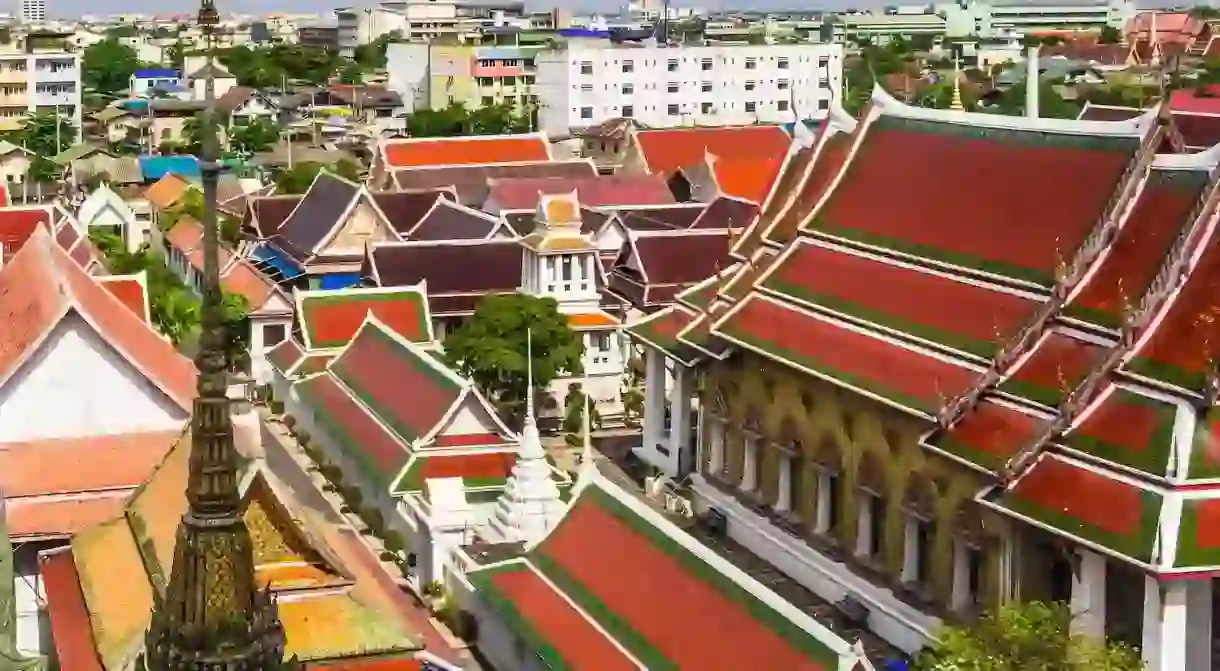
[995, 18]
[33, 79]
[675, 86]
[33, 11]
[420, 19]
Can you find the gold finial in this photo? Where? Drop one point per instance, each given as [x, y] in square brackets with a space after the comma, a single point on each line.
[956, 105]
[1061, 266]
[1064, 387]
[1125, 301]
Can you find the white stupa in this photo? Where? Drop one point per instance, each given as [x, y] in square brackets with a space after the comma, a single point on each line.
[530, 505]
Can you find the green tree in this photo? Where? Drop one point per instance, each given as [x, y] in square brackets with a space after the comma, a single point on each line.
[351, 74]
[193, 133]
[253, 67]
[491, 348]
[254, 136]
[1204, 12]
[106, 67]
[1025, 637]
[298, 178]
[45, 134]
[372, 56]
[1109, 35]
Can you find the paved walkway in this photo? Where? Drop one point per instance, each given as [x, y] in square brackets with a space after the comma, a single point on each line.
[290, 463]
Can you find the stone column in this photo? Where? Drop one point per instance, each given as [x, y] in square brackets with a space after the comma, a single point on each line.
[1166, 625]
[679, 425]
[654, 399]
[824, 505]
[910, 549]
[961, 599]
[783, 496]
[714, 428]
[749, 468]
[864, 525]
[1089, 596]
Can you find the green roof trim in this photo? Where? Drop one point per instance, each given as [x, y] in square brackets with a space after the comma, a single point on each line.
[982, 348]
[1202, 463]
[1137, 546]
[1127, 144]
[800, 639]
[1151, 458]
[1190, 553]
[924, 405]
[1037, 393]
[484, 582]
[1102, 318]
[974, 455]
[1168, 373]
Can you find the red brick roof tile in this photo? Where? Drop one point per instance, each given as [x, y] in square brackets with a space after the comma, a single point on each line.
[86, 463]
[667, 150]
[466, 150]
[1058, 362]
[748, 178]
[16, 226]
[1054, 189]
[990, 434]
[349, 423]
[49, 517]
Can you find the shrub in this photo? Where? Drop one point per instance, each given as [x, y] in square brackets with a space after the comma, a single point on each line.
[388, 556]
[277, 407]
[434, 588]
[354, 496]
[394, 542]
[303, 438]
[376, 522]
[290, 421]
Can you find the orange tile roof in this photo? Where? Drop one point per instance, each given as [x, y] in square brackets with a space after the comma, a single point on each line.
[187, 237]
[665, 151]
[56, 518]
[244, 279]
[747, 178]
[130, 291]
[469, 150]
[68, 612]
[167, 191]
[85, 463]
[42, 283]
[16, 226]
[591, 319]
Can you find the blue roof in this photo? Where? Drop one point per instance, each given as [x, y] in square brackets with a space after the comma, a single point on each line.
[583, 32]
[273, 257]
[157, 73]
[156, 167]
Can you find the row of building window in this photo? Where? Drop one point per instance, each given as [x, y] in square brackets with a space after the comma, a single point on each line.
[628, 88]
[674, 109]
[751, 63]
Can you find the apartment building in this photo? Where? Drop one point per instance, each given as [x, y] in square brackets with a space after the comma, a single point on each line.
[998, 18]
[33, 11]
[583, 86]
[424, 20]
[38, 75]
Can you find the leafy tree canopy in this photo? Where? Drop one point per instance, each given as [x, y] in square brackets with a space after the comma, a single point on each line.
[254, 136]
[1109, 35]
[298, 178]
[38, 133]
[1026, 637]
[457, 119]
[491, 348]
[270, 66]
[107, 66]
[372, 56]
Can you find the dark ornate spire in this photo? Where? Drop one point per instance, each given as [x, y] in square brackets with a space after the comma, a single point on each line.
[211, 616]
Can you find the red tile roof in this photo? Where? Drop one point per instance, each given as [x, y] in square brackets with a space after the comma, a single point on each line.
[332, 318]
[1181, 342]
[968, 317]
[748, 178]
[86, 463]
[353, 427]
[574, 638]
[403, 386]
[16, 226]
[1128, 429]
[1126, 272]
[904, 376]
[48, 517]
[826, 166]
[243, 279]
[466, 150]
[593, 544]
[667, 150]
[522, 193]
[990, 434]
[69, 614]
[497, 465]
[41, 283]
[1054, 190]
[1056, 363]
[130, 291]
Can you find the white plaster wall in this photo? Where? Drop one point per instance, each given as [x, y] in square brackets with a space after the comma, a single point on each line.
[898, 623]
[77, 385]
[497, 642]
[470, 418]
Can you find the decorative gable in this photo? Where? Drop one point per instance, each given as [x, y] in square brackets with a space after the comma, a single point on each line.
[283, 556]
[363, 225]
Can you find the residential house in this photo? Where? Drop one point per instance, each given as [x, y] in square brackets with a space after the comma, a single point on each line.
[222, 81]
[244, 104]
[105, 209]
[375, 106]
[144, 82]
[14, 162]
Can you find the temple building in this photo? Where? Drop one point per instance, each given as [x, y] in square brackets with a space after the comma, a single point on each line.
[934, 387]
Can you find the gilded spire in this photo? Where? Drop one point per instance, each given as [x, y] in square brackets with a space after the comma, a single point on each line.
[211, 616]
[956, 105]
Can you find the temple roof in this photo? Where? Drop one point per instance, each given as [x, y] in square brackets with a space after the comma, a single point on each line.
[664, 151]
[1050, 316]
[471, 183]
[566, 599]
[330, 318]
[459, 273]
[522, 193]
[465, 150]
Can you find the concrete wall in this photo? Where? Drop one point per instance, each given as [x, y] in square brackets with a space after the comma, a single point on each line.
[77, 385]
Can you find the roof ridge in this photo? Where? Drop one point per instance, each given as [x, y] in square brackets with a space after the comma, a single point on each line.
[417, 351]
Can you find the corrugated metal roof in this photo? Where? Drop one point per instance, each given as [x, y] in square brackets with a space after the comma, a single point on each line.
[156, 167]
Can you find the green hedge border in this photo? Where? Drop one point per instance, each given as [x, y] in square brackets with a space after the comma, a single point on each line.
[1157, 370]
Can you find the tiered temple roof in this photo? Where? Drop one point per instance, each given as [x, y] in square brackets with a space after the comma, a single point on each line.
[1051, 317]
